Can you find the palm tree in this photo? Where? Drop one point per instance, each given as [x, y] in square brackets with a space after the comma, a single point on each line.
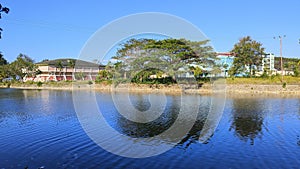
[71, 64]
[60, 66]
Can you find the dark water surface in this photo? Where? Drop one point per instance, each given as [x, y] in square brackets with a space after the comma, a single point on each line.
[41, 129]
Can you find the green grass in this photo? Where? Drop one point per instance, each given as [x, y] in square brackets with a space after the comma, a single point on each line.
[265, 81]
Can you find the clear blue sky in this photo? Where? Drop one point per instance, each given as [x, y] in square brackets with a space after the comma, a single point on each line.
[60, 28]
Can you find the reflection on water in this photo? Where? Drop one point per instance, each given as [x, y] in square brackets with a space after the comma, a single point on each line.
[150, 129]
[40, 128]
[26, 105]
[162, 123]
[248, 117]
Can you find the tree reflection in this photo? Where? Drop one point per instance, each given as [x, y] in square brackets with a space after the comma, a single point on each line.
[140, 101]
[194, 134]
[164, 122]
[247, 114]
[150, 129]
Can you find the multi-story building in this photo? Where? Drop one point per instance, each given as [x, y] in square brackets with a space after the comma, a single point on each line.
[65, 69]
[268, 62]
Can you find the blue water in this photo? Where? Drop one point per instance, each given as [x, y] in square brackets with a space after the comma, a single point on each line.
[40, 128]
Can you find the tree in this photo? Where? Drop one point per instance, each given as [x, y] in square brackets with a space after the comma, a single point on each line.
[45, 60]
[71, 63]
[5, 72]
[3, 10]
[296, 71]
[104, 74]
[225, 66]
[22, 66]
[4, 68]
[3, 61]
[79, 75]
[197, 71]
[167, 55]
[248, 53]
[59, 66]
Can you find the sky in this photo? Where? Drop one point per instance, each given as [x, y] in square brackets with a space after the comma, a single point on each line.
[60, 28]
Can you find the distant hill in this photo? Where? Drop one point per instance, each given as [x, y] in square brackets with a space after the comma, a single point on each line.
[288, 63]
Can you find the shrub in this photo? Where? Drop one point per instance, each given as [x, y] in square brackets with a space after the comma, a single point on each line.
[265, 74]
[30, 82]
[284, 85]
[296, 72]
[39, 84]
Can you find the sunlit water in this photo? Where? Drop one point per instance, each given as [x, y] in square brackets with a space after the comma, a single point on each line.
[39, 128]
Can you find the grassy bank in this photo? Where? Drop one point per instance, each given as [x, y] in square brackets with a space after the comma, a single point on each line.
[270, 85]
[272, 80]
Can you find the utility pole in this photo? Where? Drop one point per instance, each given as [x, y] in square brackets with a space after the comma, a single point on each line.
[281, 62]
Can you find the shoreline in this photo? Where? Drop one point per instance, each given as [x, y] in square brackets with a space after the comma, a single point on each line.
[205, 89]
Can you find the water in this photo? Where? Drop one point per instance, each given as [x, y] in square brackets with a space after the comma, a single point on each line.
[40, 128]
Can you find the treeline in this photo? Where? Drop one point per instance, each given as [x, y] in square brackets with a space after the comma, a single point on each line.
[289, 64]
[165, 61]
[152, 61]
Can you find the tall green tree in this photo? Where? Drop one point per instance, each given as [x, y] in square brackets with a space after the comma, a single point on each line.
[248, 53]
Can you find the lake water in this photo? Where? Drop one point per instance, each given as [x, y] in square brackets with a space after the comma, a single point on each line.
[40, 128]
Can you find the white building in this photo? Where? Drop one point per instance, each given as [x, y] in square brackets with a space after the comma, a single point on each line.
[268, 62]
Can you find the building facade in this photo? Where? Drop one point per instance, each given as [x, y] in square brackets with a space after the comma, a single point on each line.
[65, 69]
[268, 62]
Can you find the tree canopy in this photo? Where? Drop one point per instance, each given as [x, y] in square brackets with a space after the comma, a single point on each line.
[23, 65]
[167, 55]
[248, 54]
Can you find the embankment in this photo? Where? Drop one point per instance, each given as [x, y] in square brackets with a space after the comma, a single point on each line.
[206, 88]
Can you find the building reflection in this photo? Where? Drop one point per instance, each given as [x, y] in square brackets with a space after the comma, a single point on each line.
[247, 118]
[26, 105]
[12, 105]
